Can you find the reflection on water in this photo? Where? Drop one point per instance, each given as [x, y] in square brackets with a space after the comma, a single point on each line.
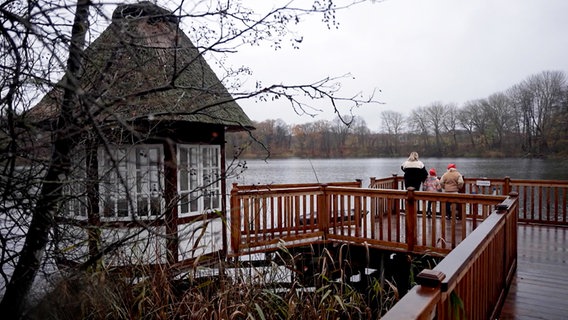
[327, 170]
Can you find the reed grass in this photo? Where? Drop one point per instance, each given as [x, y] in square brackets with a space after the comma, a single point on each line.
[242, 292]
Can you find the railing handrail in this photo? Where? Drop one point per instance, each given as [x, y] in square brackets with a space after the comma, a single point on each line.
[277, 186]
[317, 199]
[430, 298]
[493, 179]
[540, 201]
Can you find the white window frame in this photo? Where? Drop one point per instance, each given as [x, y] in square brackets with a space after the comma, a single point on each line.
[199, 179]
[132, 182]
[74, 189]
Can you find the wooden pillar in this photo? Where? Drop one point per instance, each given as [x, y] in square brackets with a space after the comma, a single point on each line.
[359, 215]
[323, 211]
[507, 185]
[410, 219]
[395, 181]
[223, 194]
[235, 219]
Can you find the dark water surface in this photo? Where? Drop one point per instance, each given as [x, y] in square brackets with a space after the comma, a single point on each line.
[328, 170]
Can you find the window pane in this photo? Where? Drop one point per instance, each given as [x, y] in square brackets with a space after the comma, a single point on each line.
[122, 207]
[215, 158]
[184, 204]
[193, 183]
[142, 206]
[183, 180]
[108, 209]
[141, 157]
[153, 157]
[140, 182]
[193, 157]
[183, 160]
[155, 206]
[193, 204]
[215, 203]
[206, 156]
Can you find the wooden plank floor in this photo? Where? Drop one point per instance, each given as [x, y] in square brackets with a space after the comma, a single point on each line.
[540, 288]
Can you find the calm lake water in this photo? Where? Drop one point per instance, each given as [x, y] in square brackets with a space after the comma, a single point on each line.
[329, 170]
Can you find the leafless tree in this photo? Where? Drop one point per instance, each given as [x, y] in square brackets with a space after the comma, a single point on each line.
[418, 124]
[539, 98]
[434, 115]
[451, 125]
[499, 110]
[393, 124]
[466, 119]
[361, 132]
[340, 132]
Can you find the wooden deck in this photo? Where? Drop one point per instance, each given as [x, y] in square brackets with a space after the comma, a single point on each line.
[540, 288]
[482, 256]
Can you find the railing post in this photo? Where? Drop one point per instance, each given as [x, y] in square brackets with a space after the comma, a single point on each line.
[410, 219]
[507, 185]
[395, 181]
[509, 250]
[323, 211]
[235, 219]
[430, 278]
[358, 215]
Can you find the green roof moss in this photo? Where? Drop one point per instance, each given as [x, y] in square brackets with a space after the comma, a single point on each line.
[144, 67]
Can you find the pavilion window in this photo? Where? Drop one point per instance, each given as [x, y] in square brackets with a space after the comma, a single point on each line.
[199, 174]
[74, 189]
[132, 182]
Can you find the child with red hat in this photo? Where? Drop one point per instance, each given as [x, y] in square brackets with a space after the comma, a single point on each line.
[431, 184]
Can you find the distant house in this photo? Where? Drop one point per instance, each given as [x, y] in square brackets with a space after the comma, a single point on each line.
[150, 161]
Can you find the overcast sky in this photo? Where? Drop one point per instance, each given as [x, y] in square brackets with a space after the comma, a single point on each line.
[417, 52]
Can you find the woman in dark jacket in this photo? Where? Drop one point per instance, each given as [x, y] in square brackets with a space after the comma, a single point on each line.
[414, 171]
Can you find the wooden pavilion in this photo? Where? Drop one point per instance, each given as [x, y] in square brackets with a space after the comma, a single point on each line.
[149, 157]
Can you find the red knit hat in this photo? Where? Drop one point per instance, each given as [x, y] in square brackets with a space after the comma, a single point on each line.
[432, 172]
[451, 165]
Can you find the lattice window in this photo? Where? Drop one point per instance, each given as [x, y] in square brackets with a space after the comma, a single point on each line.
[199, 179]
[74, 189]
[132, 182]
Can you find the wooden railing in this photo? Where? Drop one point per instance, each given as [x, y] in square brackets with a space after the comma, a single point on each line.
[263, 217]
[471, 281]
[540, 201]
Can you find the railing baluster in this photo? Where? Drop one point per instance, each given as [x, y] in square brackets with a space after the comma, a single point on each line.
[410, 220]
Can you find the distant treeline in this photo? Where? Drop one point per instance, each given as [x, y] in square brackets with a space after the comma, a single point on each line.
[530, 119]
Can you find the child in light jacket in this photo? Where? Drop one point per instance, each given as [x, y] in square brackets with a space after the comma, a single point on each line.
[431, 184]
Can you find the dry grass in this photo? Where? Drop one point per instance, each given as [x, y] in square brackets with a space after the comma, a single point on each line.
[246, 293]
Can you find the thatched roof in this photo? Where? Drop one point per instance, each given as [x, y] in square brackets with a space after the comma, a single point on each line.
[142, 50]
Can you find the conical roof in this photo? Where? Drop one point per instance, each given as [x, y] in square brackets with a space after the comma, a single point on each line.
[144, 67]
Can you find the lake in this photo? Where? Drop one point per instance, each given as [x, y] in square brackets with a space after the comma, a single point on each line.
[330, 170]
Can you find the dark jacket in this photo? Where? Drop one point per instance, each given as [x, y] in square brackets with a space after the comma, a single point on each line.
[414, 174]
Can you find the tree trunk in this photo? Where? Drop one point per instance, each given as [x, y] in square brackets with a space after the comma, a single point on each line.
[50, 197]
